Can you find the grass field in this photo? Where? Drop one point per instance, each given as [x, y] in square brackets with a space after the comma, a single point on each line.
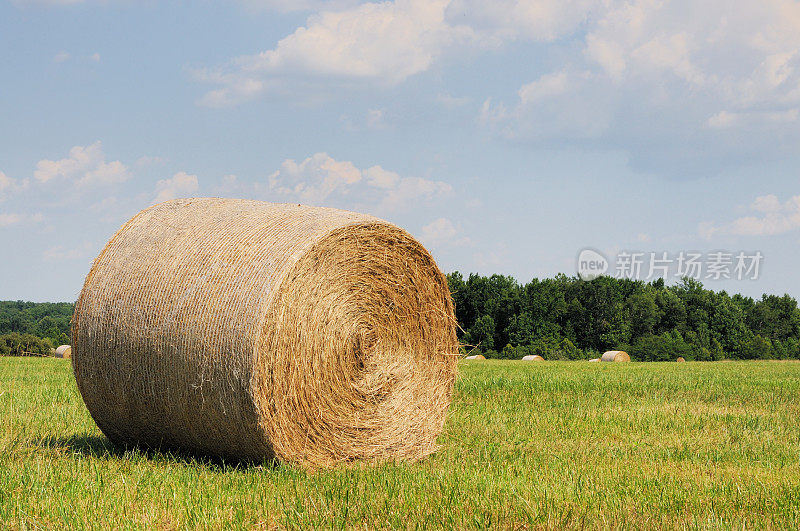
[526, 445]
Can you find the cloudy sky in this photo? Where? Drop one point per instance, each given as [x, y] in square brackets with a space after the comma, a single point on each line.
[506, 135]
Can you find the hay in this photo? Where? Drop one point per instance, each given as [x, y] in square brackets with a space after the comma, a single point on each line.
[475, 357]
[615, 355]
[680, 359]
[253, 331]
[535, 357]
[64, 351]
[594, 360]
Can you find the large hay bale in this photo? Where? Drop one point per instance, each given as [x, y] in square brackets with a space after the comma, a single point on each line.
[615, 355]
[475, 357]
[64, 351]
[252, 330]
[680, 359]
[534, 357]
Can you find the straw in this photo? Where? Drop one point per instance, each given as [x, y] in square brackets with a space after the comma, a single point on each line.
[254, 331]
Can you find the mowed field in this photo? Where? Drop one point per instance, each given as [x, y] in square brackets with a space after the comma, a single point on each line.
[526, 445]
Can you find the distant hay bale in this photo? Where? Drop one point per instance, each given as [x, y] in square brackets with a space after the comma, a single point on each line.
[475, 357]
[615, 355]
[64, 351]
[680, 359]
[253, 331]
[594, 359]
[534, 357]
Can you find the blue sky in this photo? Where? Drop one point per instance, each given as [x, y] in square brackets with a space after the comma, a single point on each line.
[507, 136]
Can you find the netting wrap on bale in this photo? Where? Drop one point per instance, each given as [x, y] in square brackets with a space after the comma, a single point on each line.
[254, 331]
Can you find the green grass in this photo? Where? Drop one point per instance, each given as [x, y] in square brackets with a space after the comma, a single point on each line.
[526, 445]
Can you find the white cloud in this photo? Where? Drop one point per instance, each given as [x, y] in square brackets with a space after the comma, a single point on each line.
[375, 119]
[572, 104]
[314, 179]
[146, 161]
[62, 56]
[104, 205]
[7, 184]
[438, 232]
[538, 20]
[383, 42]
[180, 185]
[409, 189]
[726, 119]
[741, 53]
[299, 5]
[230, 186]
[237, 86]
[85, 165]
[47, 2]
[449, 100]
[64, 252]
[442, 233]
[6, 220]
[387, 42]
[547, 86]
[649, 68]
[773, 217]
[390, 41]
[380, 178]
[321, 178]
[707, 230]
[95, 57]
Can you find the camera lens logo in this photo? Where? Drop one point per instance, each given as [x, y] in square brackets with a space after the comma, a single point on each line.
[591, 264]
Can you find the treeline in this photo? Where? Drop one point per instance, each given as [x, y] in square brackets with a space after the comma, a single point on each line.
[568, 318]
[47, 320]
[558, 318]
[15, 344]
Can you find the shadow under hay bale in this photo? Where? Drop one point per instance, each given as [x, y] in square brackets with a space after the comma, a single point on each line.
[101, 447]
[250, 330]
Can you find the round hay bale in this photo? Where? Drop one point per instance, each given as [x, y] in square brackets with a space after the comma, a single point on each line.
[64, 351]
[534, 357]
[680, 359]
[253, 331]
[615, 355]
[476, 357]
[594, 360]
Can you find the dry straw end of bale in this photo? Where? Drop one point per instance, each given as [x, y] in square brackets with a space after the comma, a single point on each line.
[253, 331]
[616, 356]
[680, 359]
